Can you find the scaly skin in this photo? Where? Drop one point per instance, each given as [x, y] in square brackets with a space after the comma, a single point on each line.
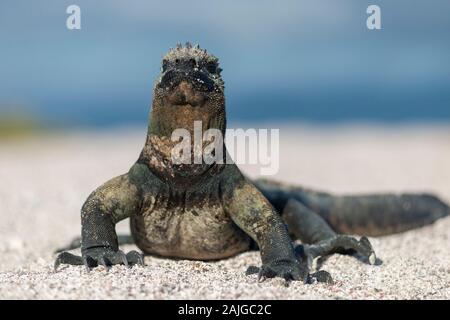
[370, 215]
[211, 211]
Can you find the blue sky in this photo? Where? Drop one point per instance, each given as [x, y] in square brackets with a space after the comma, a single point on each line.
[299, 60]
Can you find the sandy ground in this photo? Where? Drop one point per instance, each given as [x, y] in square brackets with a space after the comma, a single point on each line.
[44, 181]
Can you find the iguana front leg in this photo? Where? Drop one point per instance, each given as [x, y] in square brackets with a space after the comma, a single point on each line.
[116, 200]
[252, 212]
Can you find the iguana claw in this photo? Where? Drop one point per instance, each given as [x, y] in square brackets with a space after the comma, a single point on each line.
[124, 258]
[135, 257]
[321, 276]
[264, 273]
[100, 256]
[288, 270]
[67, 258]
[339, 244]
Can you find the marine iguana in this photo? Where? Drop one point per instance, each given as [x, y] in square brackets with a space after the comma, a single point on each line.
[212, 211]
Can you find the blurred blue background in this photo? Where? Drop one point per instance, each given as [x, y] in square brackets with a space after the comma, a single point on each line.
[283, 61]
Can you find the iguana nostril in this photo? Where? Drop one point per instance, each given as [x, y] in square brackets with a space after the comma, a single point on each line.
[185, 93]
[186, 88]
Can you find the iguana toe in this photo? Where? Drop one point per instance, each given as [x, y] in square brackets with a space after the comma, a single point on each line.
[339, 244]
[102, 262]
[288, 270]
[135, 257]
[321, 276]
[67, 258]
[100, 256]
[252, 270]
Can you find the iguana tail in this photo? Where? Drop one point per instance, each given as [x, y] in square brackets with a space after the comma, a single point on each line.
[370, 215]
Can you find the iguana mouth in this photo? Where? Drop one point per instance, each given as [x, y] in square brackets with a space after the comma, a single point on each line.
[185, 94]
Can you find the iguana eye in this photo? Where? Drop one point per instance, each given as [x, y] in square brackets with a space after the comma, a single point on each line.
[193, 63]
[211, 67]
[164, 65]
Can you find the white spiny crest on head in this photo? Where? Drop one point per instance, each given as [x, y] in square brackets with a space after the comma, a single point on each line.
[188, 52]
[201, 56]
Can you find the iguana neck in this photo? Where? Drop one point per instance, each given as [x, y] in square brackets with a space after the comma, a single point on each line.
[166, 119]
[157, 151]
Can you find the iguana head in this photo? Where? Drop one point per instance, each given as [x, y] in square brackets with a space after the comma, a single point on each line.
[189, 89]
[191, 64]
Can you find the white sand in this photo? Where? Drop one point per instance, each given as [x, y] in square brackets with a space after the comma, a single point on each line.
[44, 182]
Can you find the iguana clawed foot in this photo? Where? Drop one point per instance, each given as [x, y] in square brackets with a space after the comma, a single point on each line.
[339, 244]
[100, 256]
[310, 254]
[289, 271]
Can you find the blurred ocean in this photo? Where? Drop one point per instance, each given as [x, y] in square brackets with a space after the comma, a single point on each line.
[312, 61]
